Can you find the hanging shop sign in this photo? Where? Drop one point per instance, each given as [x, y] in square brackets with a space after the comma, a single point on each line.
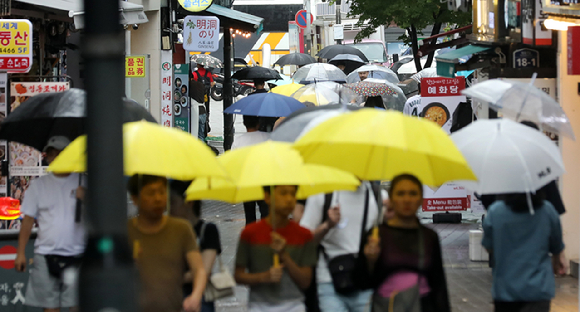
[195, 5]
[166, 89]
[526, 58]
[201, 33]
[15, 45]
[573, 50]
[135, 66]
[533, 17]
[440, 98]
[181, 100]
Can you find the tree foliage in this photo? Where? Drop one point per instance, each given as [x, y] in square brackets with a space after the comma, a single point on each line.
[412, 15]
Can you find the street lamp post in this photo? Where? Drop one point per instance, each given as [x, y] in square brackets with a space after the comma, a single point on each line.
[107, 275]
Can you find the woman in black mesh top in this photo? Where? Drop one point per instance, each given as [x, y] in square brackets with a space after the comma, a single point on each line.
[405, 263]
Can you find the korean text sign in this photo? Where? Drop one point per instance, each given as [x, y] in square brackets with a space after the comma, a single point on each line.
[195, 5]
[135, 66]
[15, 45]
[440, 98]
[201, 33]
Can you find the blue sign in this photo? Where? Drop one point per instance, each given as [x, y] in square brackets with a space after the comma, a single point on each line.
[526, 58]
[301, 18]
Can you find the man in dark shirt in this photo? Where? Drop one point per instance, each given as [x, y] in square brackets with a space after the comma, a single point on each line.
[205, 77]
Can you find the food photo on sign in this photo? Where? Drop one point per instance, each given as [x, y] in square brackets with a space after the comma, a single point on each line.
[440, 97]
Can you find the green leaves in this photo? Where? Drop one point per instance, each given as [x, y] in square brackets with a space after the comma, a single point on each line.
[190, 25]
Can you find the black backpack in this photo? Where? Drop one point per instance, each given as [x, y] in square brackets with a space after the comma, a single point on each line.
[205, 79]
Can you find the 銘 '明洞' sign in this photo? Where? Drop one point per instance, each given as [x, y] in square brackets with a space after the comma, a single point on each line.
[201, 33]
[15, 45]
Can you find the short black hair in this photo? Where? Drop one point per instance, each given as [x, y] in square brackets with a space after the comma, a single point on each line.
[374, 101]
[251, 121]
[403, 177]
[518, 202]
[267, 188]
[138, 181]
[259, 82]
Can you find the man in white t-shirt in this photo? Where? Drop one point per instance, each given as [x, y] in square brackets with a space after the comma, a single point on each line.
[51, 200]
[251, 137]
[339, 235]
[413, 106]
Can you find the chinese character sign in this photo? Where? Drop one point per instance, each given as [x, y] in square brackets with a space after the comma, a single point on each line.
[135, 66]
[166, 89]
[195, 5]
[201, 33]
[15, 45]
[440, 98]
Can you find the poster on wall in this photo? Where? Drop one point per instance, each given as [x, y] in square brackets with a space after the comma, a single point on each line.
[181, 100]
[448, 197]
[440, 98]
[166, 88]
[25, 162]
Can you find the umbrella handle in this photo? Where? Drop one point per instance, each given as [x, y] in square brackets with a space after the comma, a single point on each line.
[78, 211]
[375, 233]
[276, 260]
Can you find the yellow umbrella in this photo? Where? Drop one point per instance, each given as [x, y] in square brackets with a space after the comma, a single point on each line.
[150, 149]
[378, 145]
[317, 179]
[287, 89]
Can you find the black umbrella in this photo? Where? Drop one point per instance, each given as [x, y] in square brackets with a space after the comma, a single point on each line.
[349, 61]
[43, 116]
[331, 51]
[295, 59]
[256, 72]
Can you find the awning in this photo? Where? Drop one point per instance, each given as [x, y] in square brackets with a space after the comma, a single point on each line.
[130, 13]
[236, 19]
[446, 62]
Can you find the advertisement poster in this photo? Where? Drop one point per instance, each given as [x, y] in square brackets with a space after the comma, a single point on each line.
[135, 66]
[439, 99]
[25, 162]
[166, 88]
[449, 197]
[181, 101]
[15, 45]
[201, 33]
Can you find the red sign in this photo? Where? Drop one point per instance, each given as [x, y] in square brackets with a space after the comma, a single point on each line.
[573, 50]
[444, 204]
[301, 18]
[440, 86]
[7, 257]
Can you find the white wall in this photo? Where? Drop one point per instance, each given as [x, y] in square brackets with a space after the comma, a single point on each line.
[147, 40]
[570, 183]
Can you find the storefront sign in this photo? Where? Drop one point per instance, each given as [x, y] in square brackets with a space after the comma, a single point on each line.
[181, 100]
[439, 99]
[533, 17]
[195, 5]
[34, 88]
[449, 197]
[201, 33]
[526, 58]
[166, 90]
[573, 50]
[135, 66]
[15, 45]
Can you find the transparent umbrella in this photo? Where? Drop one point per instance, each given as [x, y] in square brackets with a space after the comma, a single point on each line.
[396, 100]
[523, 101]
[425, 73]
[375, 71]
[319, 72]
[324, 93]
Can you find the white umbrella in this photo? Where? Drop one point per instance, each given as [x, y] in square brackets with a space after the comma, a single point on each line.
[375, 71]
[508, 157]
[522, 101]
[319, 72]
[324, 93]
[425, 73]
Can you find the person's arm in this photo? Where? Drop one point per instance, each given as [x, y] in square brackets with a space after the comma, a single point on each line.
[196, 267]
[23, 237]
[326, 226]
[487, 241]
[556, 242]
[298, 211]
[300, 275]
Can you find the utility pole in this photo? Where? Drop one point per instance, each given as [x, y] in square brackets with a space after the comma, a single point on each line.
[308, 31]
[107, 275]
[227, 91]
[338, 4]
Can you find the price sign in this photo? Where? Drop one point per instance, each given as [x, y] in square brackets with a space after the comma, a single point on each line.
[526, 58]
[135, 66]
[15, 45]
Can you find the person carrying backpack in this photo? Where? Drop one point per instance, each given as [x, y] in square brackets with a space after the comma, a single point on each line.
[204, 76]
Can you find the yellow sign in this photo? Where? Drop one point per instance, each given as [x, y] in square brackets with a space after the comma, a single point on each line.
[195, 5]
[15, 45]
[135, 66]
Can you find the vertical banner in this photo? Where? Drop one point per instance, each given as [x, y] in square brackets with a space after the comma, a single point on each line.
[166, 88]
[3, 144]
[181, 101]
